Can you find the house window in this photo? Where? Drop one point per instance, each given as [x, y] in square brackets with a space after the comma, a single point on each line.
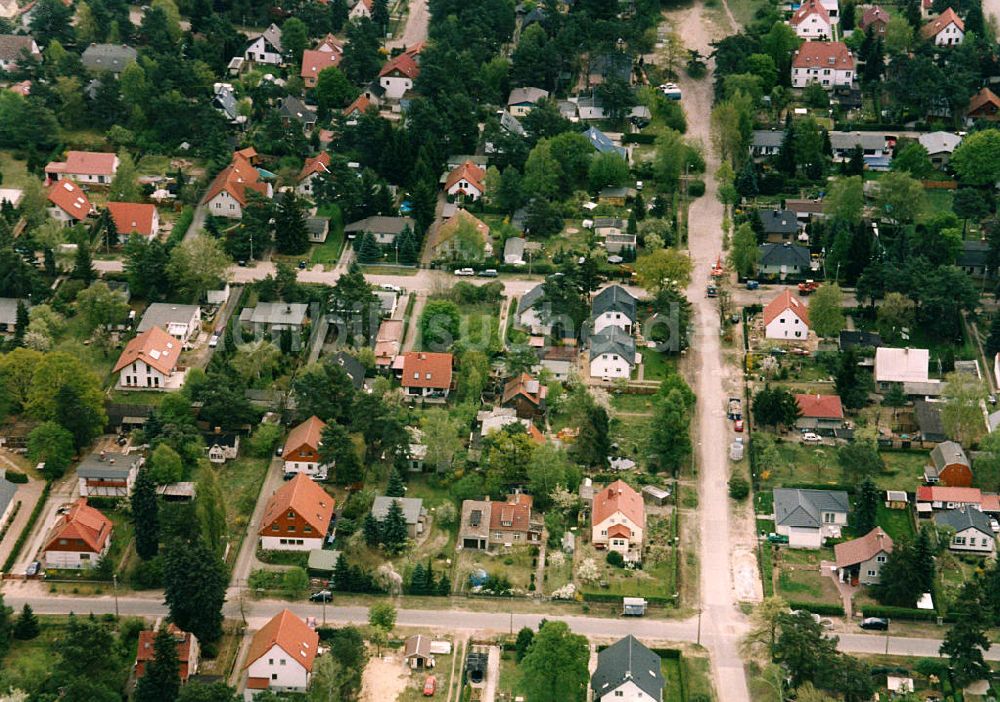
[275, 527]
[291, 528]
[307, 529]
[829, 517]
[880, 559]
[959, 541]
[871, 574]
[986, 542]
[274, 676]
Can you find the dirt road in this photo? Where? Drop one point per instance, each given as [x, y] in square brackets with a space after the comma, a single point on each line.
[417, 22]
[724, 581]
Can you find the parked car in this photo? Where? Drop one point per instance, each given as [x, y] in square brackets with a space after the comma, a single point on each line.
[279, 451]
[489, 273]
[712, 291]
[464, 271]
[738, 425]
[321, 596]
[752, 284]
[430, 686]
[995, 526]
[213, 341]
[389, 287]
[302, 265]
[33, 569]
[811, 437]
[874, 624]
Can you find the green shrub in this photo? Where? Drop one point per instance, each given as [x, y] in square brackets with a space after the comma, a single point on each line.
[739, 487]
[834, 610]
[17, 477]
[615, 559]
[696, 188]
[888, 612]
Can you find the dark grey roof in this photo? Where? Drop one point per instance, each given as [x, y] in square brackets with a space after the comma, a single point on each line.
[804, 508]
[974, 253]
[108, 57]
[379, 225]
[850, 339]
[272, 35]
[962, 519]
[613, 340]
[767, 138]
[627, 660]
[162, 314]
[279, 313]
[531, 298]
[224, 439]
[948, 452]
[294, 108]
[613, 299]
[845, 141]
[7, 492]
[510, 124]
[11, 46]
[355, 371]
[939, 142]
[225, 100]
[929, 420]
[318, 226]
[779, 221]
[602, 142]
[514, 247]
[111, 465]
[413, 507]
[784, 255]
[602, 222]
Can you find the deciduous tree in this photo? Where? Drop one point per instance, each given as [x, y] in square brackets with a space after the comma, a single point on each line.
[826, 313]
[555, 665]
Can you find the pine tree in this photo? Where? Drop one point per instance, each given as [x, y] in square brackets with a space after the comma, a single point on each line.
[409, 248]
[372, 530]
[395, 488]
[746, 180]
[428, 586]
[632, 227]
[145, 515]
[27, 626]
[394, 534]
[380, 15]
[368, 252]
[923, 560]
[49, 262]
[291, 235]
[341, 578]
[639, 207]
[161, 682]
[865, 507]
[84, 265]
[444, 586]
[785, 160]
[418, 580]
[21, 325]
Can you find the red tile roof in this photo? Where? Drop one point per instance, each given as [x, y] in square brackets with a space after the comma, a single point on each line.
[512, 515]
[824, 54]
[236, 179]
[820, 406]
[619, 497]
[938, 24]
[22, 88]
[809, 7]
[619, 530]
[939, 493]
[306, 434]
[864, 549]
[147, 650]
[68, 197]
[426, 370]
[470, 172]
[305, 498]
[874, 15]
[315, 60]
[155, 348]
[525, 385]
[984, 98]
[132, 217]
[84, 162]
[289, 633]
[786, 301]
[360, 105]
[991, 502]
[81, 522]
[315, 164]
[405, 64]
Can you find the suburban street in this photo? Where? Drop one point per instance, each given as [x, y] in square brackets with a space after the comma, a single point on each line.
[415, 31]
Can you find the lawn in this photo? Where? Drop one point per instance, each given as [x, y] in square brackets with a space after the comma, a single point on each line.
[510, 675]
[799, 577]
[634, 404]
[654, 580]
[328, 253]
[516, 565]
[655, 365]
[632, 436]
[673, 678]
[240, 482]
[480, 329]
[15, 173]
[557, 575]
[896, 522]
[442, 671]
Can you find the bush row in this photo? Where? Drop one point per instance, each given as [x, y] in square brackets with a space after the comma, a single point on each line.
[19, 544]
[609, 597]
[887, 612]
[18, 477]
[834, 610]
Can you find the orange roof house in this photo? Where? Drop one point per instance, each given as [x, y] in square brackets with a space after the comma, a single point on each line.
[984, 105]
[819, 411]
[861, 560]
[404, 66]
[135, 218]
[227, 195]
[70, 203]
[299, 511]
[467, 179]
[78, 538]
[823, 54]
[618, 519]
[282, 653]
[314, 61]
[154, 347]
[526, 394]
[187, 651]
[941, 23]
[811, 20]
[84, 166]
[426, 373]
[305, 436]
[358, 107]
[876, 17]
[786, 317]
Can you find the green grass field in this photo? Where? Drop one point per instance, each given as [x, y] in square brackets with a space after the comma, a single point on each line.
[15, 173]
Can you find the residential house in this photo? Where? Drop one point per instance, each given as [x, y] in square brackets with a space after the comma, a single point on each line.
[68, 204]
[613, 354]
[83, 167]
[221, 446]
[274, 317]
[388, 342]
[297, 517]
[301, 453]
[8, 314]
[281, 656]
[16, 47]
[783, 260]
[449, 246]
[859, 339]
[384, 229]
[135, 218]
[819, 412]
[150, 362]
[266, 48]
[496, 419]
[413, 512]
[398, 75]
[108, 58]
[359, 107]
[907, 366]
[352, 366]
[487, 524]
[932, 498]
[513, 251]
[786, 317]
[417, 652]
[294, 112]
[617, 240]
[974, 258]
[614, 306]
[229, 191]
[603, 144]
[807, 517]
[832, 8]
[984, 105]
[947, 29]
[940, 146]
[860, 561]
[779, 225]
[874, 146]
[972, 530]
[521, 101]
[107, 474]
[362, 9]
[526, 394]
[467, 180]
[530, 313]
[183, 322]
[314, 168]
[929, 422]
[616, 197]
[318, 228]
[618, 520]
[766, 143]
[812, 21]
[627, 671]
[559, 361]
[188, 652]
[79, 538]
[806, 210]
[8, 491]
[830, 64]
[315, 61]
[224, 100]
[426, 374]
[387, 301]
[949, 466]
[875, 17]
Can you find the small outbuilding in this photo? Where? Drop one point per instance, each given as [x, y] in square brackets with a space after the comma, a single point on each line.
[633, 606]
[417, 652]
[655, 495]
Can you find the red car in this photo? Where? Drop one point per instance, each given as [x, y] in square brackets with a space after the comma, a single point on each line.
[738, 425]
[430, 686]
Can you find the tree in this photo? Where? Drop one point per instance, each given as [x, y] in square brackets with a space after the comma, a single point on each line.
[851, 382]
[439, 325]
[593, 443]
[394, 533]
[743, 252]
[746, 180]
[294, 38]
[866, 506]
[803, 647]
[125, 184]
[196, 265]
[976, 160]
[668, 163]
[900, 198]
[846, 200]
[382, 618]
[145, 262]
[161, 681]
[964, 644]
[26, 627]
[338, 450]
[524, 638]
[441, 437]
[548, 469]
[195, 581]
[361, 52]
[764, 625]
[775, 407]
[165, 465]
[961, 414]
[369, 251]
[291, 236]
[912, 158]
[396, 487]
[896, 313]
[52, 445]
[663, 268]
[210, 510]
[826, 312]
[860, 459]
[100, 306]
[670, 438]
[324, 390]
[555, 665]
[607, 170]
[83, 266]
[196, 691]
[256, 361]
[145, 515]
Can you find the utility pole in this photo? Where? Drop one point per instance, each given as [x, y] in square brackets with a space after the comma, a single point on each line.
[114, 580]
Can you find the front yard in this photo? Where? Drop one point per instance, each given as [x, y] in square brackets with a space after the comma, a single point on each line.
[800, 579]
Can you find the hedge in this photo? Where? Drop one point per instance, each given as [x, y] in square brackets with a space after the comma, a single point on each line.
[18, 477]
[886, 612]
[639, 138]
[181, 226]
[835, 610]
[609, 597]
[696, 188]
[19, 544]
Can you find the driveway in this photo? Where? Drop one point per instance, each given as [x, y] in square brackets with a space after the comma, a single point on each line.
[62, 492]
[246, 559]
[28, 495]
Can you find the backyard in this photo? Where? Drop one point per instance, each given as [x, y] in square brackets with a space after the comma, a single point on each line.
[799, 577]
[654, 580]
[240, 482]
[517, 565]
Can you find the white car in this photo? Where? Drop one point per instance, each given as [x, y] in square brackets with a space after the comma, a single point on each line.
[214, 341]
[811, 438]
[465, 272]
[389, 287]
[995, 526]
